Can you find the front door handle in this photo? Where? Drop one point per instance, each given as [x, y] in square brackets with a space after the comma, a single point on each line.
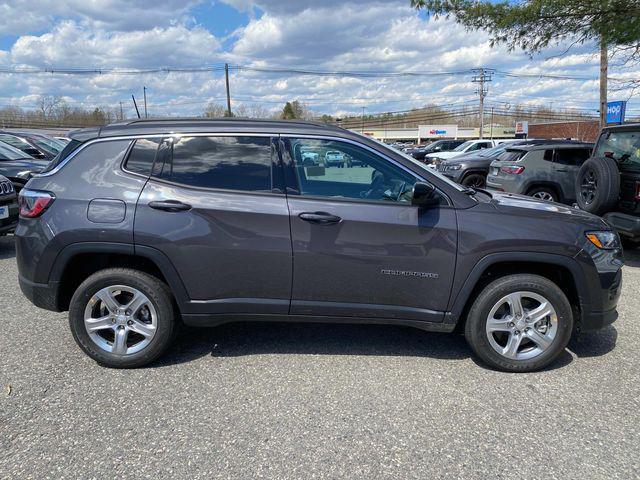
[321, 218]
[170, 205]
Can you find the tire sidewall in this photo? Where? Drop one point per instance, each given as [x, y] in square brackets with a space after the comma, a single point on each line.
[475, 329]
[152, 288]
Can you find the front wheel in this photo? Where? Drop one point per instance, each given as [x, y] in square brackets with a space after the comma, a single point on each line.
[519, 323]
[544, 193]
[122, 318]
[475, 180]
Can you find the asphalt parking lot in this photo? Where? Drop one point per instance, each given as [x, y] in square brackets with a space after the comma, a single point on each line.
[313, 401]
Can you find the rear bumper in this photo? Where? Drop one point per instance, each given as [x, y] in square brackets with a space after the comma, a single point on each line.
[625, 224]
[42, 295]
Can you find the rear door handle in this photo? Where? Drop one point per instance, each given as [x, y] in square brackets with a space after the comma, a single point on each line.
[322, 218]
[170, 205]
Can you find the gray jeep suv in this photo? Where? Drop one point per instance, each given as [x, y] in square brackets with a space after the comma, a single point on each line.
[139, 226]
[543, 170]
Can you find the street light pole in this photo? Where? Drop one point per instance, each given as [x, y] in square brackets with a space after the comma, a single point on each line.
[362, 130]
[144, 93]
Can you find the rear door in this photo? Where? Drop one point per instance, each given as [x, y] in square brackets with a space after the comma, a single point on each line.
[215, 207]
[566, 163]
[360, 248]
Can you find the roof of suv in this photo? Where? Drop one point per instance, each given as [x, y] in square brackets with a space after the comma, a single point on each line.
[195, 125]
[624, 127]
[542, 145]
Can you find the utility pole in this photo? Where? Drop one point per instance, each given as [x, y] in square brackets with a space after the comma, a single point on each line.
[226, 76]
[362, 130]
[144, 93]
[135, 105]
[604, 69]
[491, 127]
[121, 112]
[482, 77]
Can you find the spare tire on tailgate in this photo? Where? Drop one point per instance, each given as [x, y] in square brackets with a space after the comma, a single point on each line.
[598, 185]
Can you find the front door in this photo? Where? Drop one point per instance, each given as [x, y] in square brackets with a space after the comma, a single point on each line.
[213, 206]
[360, 248]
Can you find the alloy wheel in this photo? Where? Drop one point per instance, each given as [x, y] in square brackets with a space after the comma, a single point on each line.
[542, 195]
[120, 320]
[522, 325]
[589, 186]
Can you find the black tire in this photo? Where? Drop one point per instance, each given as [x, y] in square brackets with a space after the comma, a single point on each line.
[155, 290]
[475, 180]
[598, 185]
[475, 327]
[548, 194]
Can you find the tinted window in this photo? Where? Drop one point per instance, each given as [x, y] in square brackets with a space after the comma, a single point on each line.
[360, 174]
[572, 156]
[66, 151]
[142, 155]
[621, 146]
[7, 152]
[233, 163]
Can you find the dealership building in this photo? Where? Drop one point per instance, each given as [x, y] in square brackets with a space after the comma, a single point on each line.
[435, 132]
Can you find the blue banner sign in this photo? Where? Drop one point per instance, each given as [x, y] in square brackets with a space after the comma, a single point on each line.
[615, 111]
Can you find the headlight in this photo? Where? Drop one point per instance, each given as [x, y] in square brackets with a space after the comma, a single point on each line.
[454, 167]
[605, 240]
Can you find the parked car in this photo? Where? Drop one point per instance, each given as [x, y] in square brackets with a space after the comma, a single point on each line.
[64, 140]
[466, 147]
[17, 166]
[439, 146]
[47, 142]
[216, 241]
[8, 206]
[334, 159]
[310, 158]
[418, 152]
[33, 147]
[471, 169]
[545, 171]
[608, 183]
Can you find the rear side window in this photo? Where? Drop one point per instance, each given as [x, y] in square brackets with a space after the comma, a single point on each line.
[231, 163]
[66, 151]
[142, 156]
[572, 156]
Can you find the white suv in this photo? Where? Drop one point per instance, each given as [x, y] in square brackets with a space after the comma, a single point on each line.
[466, 147]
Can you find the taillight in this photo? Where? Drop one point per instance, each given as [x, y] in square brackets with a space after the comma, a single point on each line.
[512, 169]
[33, 203]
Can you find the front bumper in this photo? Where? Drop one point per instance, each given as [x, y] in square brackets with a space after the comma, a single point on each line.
[602, 272]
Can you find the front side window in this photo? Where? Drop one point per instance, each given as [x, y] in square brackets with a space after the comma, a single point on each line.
[624, 147]
[344, 170]
[230, 163]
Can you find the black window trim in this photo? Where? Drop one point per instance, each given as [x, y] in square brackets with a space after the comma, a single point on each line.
[296, 191]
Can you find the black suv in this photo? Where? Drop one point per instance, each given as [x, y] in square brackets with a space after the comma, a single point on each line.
[139, 225]
[8, 206]
[609, 183]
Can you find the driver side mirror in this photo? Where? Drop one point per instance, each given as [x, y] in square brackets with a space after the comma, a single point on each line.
[424, 195]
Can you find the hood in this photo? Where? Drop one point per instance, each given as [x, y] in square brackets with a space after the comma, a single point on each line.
[31, 164]
[531, 207]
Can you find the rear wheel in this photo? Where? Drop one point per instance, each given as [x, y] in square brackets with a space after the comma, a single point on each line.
[519, 323]
[475, 180]
[544, 193]
[122, 318]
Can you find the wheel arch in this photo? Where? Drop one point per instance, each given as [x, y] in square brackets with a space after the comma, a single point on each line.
[562, 270]
[77, 261]
[547, 184]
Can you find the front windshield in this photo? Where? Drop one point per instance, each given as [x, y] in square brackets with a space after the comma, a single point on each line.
[463, 147]
[7, 152]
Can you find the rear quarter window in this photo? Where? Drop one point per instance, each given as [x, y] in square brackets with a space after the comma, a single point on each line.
[58, 159]
[142, 156]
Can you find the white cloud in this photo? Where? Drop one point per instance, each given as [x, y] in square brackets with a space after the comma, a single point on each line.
[329, 35]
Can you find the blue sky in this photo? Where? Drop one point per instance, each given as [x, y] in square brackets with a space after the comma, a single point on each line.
[363, 35]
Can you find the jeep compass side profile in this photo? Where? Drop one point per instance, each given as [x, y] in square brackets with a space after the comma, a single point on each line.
[138, 226]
